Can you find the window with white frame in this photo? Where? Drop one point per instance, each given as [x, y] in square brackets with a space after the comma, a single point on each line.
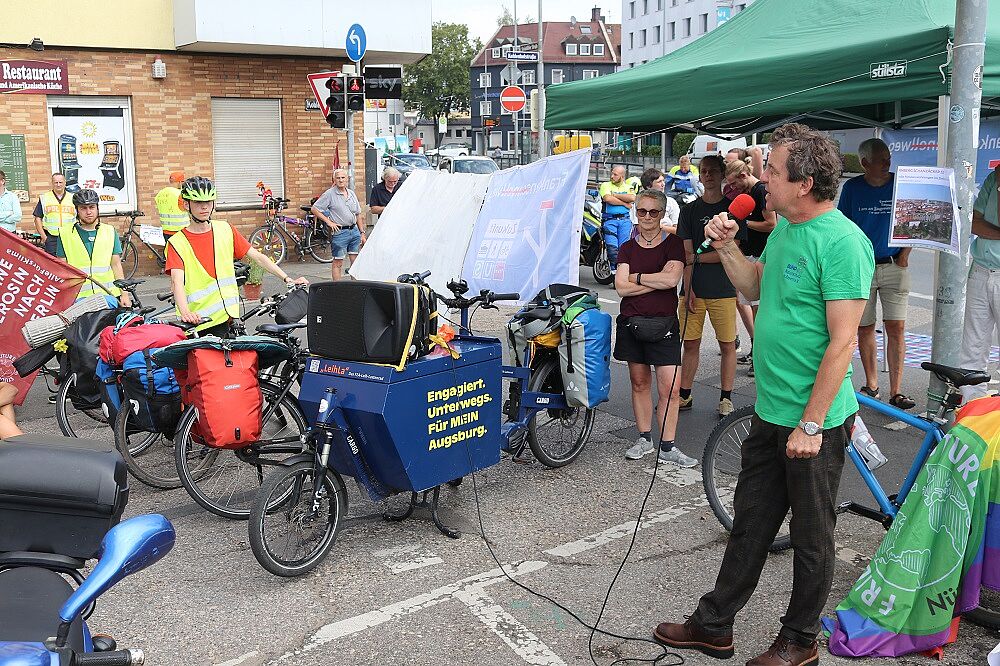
[671, 31]
[687, 27]
[704, 23]
[584, 49]
[631, 9]
[585, 30]
[505, 49]
[242, 127]
[495, 51]
[642, 37]
[570, 49]
[590, 74]
[645, 7]
[486, 108]
[656, 34]
[557, 76]
[485, 79]
[528, 77]
[598, 49]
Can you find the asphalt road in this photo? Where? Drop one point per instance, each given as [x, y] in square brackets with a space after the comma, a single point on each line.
[401, 593]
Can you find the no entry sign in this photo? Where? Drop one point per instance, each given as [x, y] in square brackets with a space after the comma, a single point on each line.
[512, 99]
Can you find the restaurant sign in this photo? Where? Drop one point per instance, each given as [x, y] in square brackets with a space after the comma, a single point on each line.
[41, 77]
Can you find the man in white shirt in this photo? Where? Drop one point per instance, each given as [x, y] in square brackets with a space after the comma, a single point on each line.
[10, 207]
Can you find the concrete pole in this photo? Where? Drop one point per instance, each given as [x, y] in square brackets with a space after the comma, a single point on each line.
[962, 144]
[543, 144]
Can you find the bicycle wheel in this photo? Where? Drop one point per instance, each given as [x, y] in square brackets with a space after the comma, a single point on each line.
[290, 532]
[225, 481]
[149, 456]
[556, 436]
[988, 613]
[317, 242]
[130, 259]
[720, 468]
[269, 241]
[77, 419]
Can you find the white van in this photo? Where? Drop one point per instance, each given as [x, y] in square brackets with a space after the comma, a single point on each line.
[704, 144]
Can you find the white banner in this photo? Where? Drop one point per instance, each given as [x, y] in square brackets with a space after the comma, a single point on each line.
[925, 209]
[152, 235]
[528, 232]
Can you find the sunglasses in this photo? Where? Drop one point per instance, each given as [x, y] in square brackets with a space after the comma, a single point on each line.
[648, 212]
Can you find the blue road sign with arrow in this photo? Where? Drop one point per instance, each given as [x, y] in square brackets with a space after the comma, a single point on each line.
[357, 42]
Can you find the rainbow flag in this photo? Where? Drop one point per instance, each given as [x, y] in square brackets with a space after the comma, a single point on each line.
[943, 546]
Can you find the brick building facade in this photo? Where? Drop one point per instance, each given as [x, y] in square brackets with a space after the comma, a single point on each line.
[172, 120]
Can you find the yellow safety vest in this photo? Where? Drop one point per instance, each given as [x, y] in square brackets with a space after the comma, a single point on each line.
[57, 213]
[172, 216]
[217, 298]
[96, 265]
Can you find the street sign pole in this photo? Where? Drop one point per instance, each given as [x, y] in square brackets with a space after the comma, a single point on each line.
[961, 150]
[543, 145]
[350, 147]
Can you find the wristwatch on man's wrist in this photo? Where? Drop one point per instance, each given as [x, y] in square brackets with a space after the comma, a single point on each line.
[811, 428]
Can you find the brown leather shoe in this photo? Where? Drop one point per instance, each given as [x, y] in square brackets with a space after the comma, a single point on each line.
[784, 652]
[691, 636]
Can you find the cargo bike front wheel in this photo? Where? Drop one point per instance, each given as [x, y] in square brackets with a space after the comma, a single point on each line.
[295, 518]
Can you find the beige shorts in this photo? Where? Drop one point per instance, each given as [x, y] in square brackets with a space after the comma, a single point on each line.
[721, 312]
[740, 298]
[891, 285]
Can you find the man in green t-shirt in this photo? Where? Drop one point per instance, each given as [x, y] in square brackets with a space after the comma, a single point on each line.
[813, 281]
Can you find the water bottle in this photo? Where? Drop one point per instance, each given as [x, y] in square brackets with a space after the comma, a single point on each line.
[865, 445]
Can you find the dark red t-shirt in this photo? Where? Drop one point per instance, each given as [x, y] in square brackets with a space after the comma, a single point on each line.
[659, 303]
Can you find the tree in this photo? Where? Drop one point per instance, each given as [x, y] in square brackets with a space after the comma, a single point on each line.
[506, 18]
[439, 84]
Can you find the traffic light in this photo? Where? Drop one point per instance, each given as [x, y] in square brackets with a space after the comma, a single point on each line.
[336, 115]
[356, 93]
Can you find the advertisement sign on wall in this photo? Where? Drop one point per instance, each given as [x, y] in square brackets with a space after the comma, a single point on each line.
[14, 163]
[92, 147]
[39, 77]
[919, 147]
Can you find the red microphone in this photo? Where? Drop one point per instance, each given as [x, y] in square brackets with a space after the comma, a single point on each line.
[741, 208]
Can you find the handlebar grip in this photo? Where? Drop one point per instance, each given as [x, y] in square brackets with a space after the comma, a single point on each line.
[513, 296]
[423, 276]
[130, 657]
[147, 310]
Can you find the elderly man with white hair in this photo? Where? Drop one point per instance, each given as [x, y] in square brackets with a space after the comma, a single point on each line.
[382, 192]
[340, 209]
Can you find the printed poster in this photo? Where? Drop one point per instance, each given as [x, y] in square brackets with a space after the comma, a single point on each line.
[14, 162]
[925, 209]
[527, 235]
[92, 147]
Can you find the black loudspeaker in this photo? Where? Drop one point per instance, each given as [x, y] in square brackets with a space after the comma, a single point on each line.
[372, 322]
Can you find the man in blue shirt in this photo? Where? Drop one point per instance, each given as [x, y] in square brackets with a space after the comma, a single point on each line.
[10, 207]
[867, 200]
[982, 293]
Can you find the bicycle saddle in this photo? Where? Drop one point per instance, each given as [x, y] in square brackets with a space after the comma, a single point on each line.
[278, 329]
[958, 377]
[542, 313]
[127, 284]
[307, 209]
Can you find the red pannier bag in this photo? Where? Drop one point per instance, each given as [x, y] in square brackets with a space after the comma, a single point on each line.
[222, 385]
[135, 336]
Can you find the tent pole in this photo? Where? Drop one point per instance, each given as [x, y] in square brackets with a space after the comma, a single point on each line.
[962, 137]
[543, 144]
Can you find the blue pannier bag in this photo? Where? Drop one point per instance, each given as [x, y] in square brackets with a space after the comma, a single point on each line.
[152, 393]
[111, 392]
[585, 354]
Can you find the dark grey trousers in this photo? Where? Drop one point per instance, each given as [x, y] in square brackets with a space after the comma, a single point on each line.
[771, 483]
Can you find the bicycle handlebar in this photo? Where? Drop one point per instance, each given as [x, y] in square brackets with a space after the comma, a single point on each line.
[129, 657]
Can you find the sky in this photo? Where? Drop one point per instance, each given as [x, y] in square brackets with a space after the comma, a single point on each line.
[481, 15]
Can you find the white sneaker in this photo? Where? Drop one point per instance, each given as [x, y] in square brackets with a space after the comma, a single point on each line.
[677, 457]
[641, 448]
[725, 407]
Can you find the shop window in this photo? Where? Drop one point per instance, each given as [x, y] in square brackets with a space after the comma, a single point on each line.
[246, 140]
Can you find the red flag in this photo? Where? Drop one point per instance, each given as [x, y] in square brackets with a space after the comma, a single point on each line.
[33, 284]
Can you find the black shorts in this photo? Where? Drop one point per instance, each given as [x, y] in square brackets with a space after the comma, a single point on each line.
[665, 352]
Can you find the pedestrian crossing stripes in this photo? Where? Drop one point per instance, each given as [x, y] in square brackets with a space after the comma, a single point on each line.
[918, 349]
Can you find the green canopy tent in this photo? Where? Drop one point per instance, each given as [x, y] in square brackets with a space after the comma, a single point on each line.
[828, 63]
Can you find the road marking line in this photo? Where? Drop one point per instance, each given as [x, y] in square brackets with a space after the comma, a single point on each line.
[676, 476]
[608, 300]
[926, 297]
[409, 557]
[358, 623]
[510, 630]
[625, 529]
[239, 660]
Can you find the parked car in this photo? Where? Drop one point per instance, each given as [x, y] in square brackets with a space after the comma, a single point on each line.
[407, 163]
[450, 150]
[468, 164]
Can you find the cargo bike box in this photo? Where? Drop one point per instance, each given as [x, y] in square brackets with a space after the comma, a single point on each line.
[59, 495]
